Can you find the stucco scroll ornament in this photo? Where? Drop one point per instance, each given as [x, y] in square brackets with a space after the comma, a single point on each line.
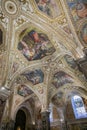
[3, 19]
[26, 6]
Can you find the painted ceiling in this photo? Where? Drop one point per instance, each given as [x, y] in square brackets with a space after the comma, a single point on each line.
[40, 41]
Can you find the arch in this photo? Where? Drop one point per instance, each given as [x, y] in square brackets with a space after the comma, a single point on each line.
[20, 121]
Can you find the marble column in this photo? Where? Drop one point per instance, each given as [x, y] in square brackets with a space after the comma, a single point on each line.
[45, 120]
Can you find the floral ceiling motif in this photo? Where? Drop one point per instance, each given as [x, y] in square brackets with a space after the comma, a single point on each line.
[35, 45]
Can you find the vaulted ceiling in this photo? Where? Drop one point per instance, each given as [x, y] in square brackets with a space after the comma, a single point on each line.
[40, 41]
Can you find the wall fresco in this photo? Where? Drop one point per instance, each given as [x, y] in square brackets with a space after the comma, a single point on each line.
[78, 8]
[61, 78]
[35, 76]
[34, 45]
[24, 91]
[49, 7]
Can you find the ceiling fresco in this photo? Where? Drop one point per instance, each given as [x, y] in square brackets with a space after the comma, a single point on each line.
[35, 45]
[43, 56]
[49, 7]
[24, 91]
[57, 99]
[61, 78]
[35, 76]
[78, 8]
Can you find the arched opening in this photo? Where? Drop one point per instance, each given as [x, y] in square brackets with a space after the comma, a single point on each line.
[20, 121]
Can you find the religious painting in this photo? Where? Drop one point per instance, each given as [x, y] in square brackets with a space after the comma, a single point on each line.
[70, 61]
[1, 37]
[35, 77]
[61, 78]
[49, 7]
[84, 33]
[78, 8]
[35, 45]
[24, 91]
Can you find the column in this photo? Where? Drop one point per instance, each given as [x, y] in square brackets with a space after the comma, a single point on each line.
[45, 120]
[10, 125]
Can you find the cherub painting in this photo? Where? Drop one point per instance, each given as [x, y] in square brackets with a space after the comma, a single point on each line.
[34, 45]
[78, 8]
[49, 7]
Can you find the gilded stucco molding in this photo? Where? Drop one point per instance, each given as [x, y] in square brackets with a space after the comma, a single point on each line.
[69, 18]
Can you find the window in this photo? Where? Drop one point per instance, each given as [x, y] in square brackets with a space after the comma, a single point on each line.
[78, 107]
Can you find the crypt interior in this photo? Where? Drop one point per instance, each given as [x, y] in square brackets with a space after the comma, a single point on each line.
[43, 64]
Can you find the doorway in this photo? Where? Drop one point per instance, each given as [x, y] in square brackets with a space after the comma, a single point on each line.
[20, 121]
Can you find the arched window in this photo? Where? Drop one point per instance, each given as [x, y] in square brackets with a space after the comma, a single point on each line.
[78, 107]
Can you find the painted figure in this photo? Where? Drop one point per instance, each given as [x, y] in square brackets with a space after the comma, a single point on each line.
[61, 78]
[49, 7]
[78, 8]
[35, 45]
[81, 9]
[24, 91]
[35, 76]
